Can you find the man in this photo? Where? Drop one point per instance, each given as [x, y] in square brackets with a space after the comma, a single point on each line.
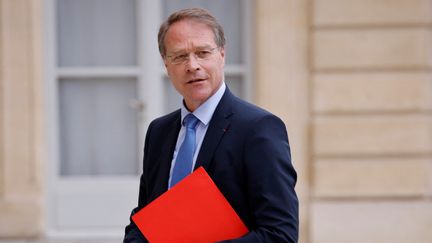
[244, 149]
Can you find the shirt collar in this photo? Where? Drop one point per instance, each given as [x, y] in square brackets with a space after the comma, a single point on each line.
[205, 111]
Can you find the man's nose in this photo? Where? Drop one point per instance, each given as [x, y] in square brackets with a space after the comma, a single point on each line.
[192, 63]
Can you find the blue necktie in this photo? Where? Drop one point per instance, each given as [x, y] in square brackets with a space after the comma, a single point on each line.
[184, 160]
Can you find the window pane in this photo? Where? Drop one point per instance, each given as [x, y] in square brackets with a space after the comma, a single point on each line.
[97, 32]
[235, 84]
[228, 12]
[98, 127]
[172, 99]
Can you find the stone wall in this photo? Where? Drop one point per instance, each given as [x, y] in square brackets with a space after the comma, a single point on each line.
[372, 122]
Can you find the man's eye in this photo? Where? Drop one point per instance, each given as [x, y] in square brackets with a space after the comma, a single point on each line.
[180, 57]
[203, 54]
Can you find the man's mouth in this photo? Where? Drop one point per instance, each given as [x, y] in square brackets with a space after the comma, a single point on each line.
[196, 80]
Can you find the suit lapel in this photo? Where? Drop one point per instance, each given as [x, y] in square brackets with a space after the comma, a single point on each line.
[165, 157]
[217, 127]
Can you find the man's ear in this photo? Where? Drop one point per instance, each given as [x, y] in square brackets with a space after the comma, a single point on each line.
[222, 52]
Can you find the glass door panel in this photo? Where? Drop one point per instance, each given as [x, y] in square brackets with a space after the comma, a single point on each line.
[97, 32]
[172, 99]
[98, 126]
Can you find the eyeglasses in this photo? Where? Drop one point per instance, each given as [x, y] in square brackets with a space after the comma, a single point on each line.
[183, 57]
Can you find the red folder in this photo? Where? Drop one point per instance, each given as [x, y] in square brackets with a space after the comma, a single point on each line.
[194, 210]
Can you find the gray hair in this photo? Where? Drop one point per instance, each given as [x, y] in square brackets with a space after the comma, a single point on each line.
[199, 14]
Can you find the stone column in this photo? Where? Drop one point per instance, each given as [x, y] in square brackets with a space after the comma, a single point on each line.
[21, 140]
[282, 85]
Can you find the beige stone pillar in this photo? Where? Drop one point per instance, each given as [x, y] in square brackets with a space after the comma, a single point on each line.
[282, 80]
[1, 111]
[21, 140]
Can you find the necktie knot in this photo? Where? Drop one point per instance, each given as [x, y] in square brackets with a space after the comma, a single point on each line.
[190, 121]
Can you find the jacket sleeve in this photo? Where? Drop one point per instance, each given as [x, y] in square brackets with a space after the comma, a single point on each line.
[132, 233]
[270, 181]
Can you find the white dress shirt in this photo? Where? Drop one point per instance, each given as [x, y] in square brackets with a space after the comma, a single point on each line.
[204, 114]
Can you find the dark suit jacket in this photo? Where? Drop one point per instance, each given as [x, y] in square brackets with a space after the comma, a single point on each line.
[247, 154]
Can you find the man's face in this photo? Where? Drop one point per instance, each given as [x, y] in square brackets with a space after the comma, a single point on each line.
[193, 61]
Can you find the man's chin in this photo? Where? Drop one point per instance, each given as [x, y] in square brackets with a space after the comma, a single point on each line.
[198, 99]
